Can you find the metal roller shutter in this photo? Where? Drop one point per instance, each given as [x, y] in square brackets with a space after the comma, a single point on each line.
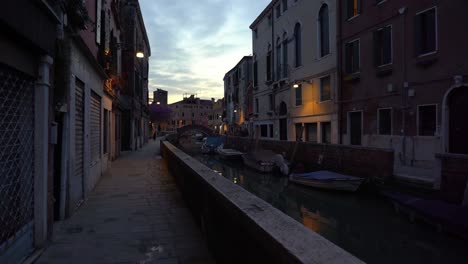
[95, 125]
[16, 164]
[79, 141]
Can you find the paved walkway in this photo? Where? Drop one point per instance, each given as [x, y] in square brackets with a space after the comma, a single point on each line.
[135, 215]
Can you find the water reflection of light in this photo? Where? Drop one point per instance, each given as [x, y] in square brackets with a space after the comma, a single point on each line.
[241, 179]
[317, 222]
[235, 180]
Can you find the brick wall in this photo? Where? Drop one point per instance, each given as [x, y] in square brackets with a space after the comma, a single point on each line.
[454, 177]
[357, 161]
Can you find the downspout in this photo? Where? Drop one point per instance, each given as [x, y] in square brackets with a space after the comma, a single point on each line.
[404, 94]
[65, 161]
[41, 148]
[339, 73]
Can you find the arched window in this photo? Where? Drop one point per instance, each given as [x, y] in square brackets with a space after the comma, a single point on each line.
[284, 67]
[298, 45]
[324, 31]
[278, 58]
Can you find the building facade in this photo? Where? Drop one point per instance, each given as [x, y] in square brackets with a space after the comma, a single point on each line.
[295, 71]
[405, 80]
[191, 110]
[160, 96]
[26, 117]
[215, 119]
[135, 69]
[237, 83]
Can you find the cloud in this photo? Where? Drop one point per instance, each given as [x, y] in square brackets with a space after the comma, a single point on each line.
[194, 43]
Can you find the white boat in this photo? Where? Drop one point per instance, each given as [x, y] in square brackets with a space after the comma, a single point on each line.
[229, 154]
[260, 160]
[328, 180]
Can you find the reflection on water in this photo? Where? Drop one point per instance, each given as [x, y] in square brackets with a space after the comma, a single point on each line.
[363, 224]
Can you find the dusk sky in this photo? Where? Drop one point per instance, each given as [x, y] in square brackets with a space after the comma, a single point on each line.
[194, 43]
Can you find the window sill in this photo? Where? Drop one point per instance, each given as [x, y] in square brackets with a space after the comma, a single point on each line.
[325, 101]
[426, 60]
[352, 77]
[353, 17]
[324, 57]
[384, 70]
[381, 2]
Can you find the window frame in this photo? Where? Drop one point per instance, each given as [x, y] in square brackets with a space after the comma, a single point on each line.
[358, 13]
[321, 88]
[359, 55]
[391, 121]
[319, 31]
[436, 31]
[436, 131]
[391, 46]
[296, 97]
[297, 45]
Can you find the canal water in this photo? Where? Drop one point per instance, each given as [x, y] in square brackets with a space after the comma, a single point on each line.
[363, 224]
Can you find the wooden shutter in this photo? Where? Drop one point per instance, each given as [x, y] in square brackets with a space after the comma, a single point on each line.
[417, 34]
[377, 48]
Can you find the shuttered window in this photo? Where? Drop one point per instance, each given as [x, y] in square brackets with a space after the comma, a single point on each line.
[352, 56]
[325, 89]
[425, 30]
[427, 120]
[383, 46]
[95, 127]
[385, 121]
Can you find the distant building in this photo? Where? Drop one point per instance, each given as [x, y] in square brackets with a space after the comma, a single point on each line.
[160, 96]
[191, 110]
[215, 119]
[237, 97]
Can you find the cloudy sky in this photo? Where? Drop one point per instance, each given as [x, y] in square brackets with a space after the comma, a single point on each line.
[194, 43]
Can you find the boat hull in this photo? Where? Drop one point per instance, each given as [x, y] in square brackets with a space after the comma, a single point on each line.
[265, 168]
[328, 180]
[349, 186]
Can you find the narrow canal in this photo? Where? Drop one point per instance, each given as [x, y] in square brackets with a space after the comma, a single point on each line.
[364, 224]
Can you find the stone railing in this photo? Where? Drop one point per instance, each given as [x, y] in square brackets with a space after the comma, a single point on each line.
[242, 228]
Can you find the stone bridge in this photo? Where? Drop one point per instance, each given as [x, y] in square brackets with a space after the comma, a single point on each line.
[194, 128]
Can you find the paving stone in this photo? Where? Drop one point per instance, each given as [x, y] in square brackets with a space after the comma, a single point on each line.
[135, 215]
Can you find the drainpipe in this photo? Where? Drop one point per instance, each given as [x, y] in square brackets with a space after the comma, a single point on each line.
[404, 94]
[339, 73]
[41, 150]
[465, 201]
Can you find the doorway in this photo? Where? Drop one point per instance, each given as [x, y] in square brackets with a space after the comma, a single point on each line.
[355, 128]
[458, 126]
[283, 122]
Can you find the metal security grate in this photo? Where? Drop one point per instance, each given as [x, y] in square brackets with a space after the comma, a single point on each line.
[16, 152]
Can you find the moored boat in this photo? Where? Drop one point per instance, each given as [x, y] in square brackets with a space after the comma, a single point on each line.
[328, 180]
[261, 160]
[229, 154]
[210, 144]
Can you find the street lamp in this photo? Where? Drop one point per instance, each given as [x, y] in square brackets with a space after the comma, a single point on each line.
[140, 54]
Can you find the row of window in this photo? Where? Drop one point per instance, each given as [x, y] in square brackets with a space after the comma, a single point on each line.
[282, 64]
[426, 120]
[425, 42]
[325, 91]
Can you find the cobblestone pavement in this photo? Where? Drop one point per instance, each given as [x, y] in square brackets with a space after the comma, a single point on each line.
[135, 215]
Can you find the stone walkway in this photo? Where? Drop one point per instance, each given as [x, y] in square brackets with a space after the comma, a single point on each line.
[135, 215]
